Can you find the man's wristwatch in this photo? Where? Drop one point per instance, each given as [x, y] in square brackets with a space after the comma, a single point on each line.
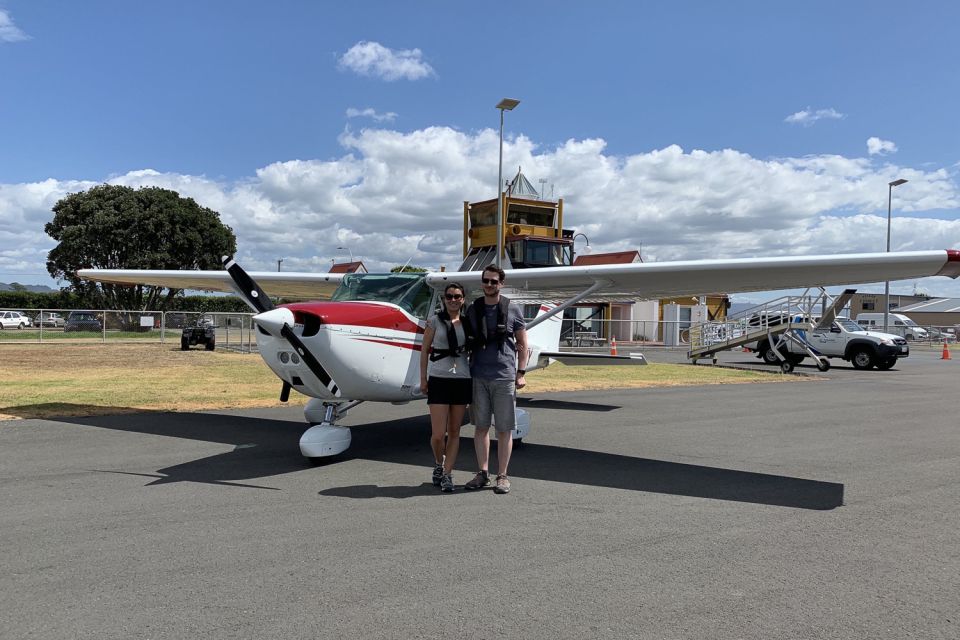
[521, 372]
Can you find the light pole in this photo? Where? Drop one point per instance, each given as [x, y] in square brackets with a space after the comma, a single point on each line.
[886, 286]
[279, 262]
[574, 241]
[346, 249]
[507, 104]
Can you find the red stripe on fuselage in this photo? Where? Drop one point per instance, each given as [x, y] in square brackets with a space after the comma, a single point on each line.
[405, 345]
[358, 314]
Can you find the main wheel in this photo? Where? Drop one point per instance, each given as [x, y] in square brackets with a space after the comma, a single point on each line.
[886, 364]
[786, 366]
[769, 355]
[823, 365]
[210, 346]
[862, 359]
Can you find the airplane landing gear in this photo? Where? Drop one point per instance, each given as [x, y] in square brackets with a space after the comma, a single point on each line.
[324, 438]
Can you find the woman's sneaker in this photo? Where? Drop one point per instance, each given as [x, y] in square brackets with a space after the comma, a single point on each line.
[446, 483]
[481, 480]
[437, 475]
[503, 485]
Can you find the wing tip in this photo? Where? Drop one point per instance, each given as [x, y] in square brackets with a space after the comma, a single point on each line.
[951, 268]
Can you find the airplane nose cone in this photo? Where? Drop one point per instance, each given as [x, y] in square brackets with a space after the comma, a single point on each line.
[272, 321]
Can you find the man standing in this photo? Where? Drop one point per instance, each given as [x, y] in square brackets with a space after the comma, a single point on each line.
[501, 345]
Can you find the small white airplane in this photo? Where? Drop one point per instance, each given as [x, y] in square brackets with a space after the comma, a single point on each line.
[363, 344]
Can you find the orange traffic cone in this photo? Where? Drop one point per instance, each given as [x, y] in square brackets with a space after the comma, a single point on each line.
[946, 351]
[613, 346]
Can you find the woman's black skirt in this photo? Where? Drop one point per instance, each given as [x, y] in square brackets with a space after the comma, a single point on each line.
[449, 390]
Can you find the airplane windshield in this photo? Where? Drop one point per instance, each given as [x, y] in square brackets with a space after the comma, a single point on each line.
[408, 291]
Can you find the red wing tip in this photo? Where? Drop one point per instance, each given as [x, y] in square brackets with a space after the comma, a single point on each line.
[951, 267]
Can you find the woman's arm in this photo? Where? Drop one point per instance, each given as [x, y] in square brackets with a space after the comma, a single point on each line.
[425, 356]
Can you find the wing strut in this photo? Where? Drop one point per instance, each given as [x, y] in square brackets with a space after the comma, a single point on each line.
[572, 301]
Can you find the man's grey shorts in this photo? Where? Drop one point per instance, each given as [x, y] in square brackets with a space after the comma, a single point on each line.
[495, 398]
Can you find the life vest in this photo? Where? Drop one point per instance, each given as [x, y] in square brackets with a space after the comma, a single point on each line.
[454, 348]
[476, 316]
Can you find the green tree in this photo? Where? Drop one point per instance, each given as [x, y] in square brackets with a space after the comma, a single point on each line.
[117, 227]
[408, 269]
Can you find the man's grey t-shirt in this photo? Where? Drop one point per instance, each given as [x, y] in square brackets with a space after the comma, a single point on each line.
[493, 362]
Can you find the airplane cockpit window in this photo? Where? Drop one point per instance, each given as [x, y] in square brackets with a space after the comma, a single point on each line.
[409, 291]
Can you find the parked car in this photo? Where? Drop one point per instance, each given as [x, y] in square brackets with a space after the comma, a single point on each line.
[14, 320]
[202, 332]
[82, 321]
[49, 319]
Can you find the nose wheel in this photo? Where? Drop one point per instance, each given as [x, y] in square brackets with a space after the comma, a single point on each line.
[325, 438]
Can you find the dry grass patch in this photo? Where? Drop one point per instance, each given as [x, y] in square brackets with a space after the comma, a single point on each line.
[45, 380]
[59, 380]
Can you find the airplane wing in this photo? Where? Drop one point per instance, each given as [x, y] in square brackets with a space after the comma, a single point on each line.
[287, 284]
[648, 280]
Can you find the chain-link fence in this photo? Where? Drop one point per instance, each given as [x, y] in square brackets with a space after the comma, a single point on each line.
[229, 330]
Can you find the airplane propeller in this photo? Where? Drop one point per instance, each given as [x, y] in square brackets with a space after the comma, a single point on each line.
[277, 320]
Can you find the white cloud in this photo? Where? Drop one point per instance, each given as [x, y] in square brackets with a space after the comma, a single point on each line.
[876, 146]
[808, 117]
[389, 116]
[374, 59]
[9, 31]
[392, 196]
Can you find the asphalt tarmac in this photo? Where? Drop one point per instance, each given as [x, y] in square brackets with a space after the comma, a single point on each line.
[825, 508]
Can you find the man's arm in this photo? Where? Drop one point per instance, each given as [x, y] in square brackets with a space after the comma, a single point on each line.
[521, 338]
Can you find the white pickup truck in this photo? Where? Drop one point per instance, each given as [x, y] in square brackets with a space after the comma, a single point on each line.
[844, 339]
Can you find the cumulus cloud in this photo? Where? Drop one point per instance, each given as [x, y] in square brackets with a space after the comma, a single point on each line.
[9, 32]
[876, 146]
[374, 59]
[389, 116]
[396, 196]
[808, 117]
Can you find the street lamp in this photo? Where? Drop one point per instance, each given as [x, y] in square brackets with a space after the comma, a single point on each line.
[574, 241]
[346, 249]
[886, 287]
[279, 262]
[507, 104]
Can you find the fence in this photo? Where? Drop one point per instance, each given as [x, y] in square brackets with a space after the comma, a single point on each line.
[235, 330]
[232, 330]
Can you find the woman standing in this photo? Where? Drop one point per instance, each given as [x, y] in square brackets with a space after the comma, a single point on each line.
[446, 381]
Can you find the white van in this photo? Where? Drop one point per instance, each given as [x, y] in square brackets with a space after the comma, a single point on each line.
[898, 324]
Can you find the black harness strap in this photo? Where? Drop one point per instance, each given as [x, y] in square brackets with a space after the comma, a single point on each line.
[454, 348]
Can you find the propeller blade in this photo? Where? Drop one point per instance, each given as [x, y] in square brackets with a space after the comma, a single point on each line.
[277, 319]
[251, 290]
[312, 363]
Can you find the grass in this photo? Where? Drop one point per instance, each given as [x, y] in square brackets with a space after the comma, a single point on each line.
[49, 380]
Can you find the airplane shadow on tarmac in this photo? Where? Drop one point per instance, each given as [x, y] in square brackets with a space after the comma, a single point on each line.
[265, 448]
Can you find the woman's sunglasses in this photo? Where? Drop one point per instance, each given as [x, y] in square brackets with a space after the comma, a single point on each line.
[489, 281]
[453, 296]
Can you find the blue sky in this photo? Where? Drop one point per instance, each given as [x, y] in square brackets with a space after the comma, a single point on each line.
[696, 128]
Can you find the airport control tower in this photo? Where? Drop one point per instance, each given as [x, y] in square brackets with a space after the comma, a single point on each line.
[533, 233]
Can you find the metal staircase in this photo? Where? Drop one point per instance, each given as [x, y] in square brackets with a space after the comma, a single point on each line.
[779, 321]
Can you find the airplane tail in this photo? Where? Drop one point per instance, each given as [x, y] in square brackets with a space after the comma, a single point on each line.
[544, 344]
[545, 337]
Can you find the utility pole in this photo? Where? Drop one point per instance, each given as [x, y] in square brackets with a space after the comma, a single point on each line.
[279, 261]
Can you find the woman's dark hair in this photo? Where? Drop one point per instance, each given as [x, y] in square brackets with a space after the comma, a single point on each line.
[455, 285]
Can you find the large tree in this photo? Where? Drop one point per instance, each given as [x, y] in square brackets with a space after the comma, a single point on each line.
[116, 227]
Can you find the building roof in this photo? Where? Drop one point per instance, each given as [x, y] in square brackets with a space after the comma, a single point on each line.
[348, 267]
[520, 187]
[937, 305]
[615, 257]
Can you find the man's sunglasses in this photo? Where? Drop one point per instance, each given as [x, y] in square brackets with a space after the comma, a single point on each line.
[489, 281]
[453, 296]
